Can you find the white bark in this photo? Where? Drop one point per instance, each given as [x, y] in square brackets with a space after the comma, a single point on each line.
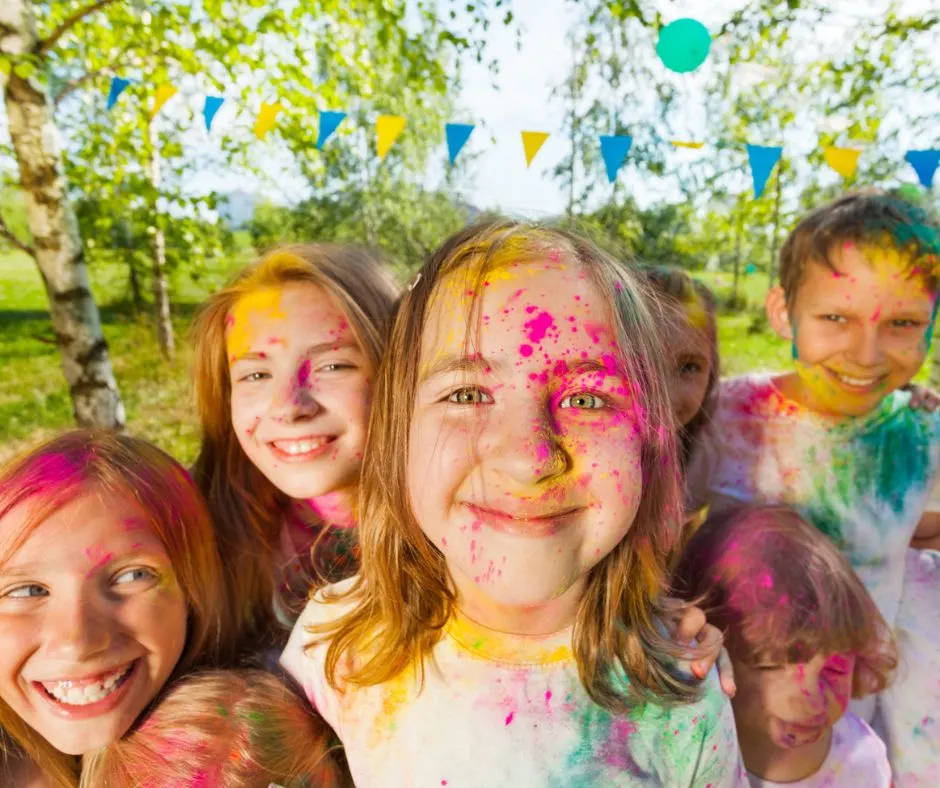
[57, 245]
[161, 288]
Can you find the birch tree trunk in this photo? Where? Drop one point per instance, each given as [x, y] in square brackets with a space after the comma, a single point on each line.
[161, 288]
[57, 245]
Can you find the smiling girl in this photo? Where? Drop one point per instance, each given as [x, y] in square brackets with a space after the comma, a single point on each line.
[520, 496]
[284, 360]
[109, 585]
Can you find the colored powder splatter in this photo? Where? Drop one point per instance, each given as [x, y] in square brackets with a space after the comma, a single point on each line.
[876, 315]
[259, 304]
[525, 350]
[98, 558]
[537, 327]
[303, 374]
[509, 717]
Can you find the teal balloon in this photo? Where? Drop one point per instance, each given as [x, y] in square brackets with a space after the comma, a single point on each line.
[683, 45]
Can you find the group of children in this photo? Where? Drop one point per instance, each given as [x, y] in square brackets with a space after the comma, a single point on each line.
[464, 535]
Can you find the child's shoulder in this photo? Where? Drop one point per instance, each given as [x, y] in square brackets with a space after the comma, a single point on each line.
[329, 603]
[856, 747]
[748, 396]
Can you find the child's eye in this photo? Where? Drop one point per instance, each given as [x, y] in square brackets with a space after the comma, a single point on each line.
[133, 575]
[769, 668]
[832, 318]
[582, 402]
[253, 377]
[690, 368]
[470, 396]
[906, 323]
[28, 591]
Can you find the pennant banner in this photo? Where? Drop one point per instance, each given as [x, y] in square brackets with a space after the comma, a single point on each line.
[532, 141]
[457, 135]
[266, 118]
[614, 151]
[329, 122]
[164, 94]
[925, 163]
[387, 129]
[118, 86]
[211, 107]
[843, 160]
[763, 159]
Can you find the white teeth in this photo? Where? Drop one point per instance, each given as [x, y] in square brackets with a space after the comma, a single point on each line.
[299, 447]
[860, 382]
[64, 692]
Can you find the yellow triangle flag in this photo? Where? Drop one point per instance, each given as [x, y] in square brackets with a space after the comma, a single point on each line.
[266, 118]
[692, 145]
[387, 129]
[164, 94]
[532, 141]
[843, 160]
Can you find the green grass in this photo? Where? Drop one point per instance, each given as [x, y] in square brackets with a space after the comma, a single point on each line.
[34, 401]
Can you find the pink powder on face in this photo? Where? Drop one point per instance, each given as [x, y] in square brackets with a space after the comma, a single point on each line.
[303, 374]
[509, 717]
[874, 317]
[98, 559]
[229, 321]
[525, 350]
[595, 330]
[539, 326]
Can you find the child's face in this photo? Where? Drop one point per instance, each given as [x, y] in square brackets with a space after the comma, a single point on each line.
[92, 621]
[524, 462]
[859, 332]
[691, 362]
[300, 390]
[792, 705]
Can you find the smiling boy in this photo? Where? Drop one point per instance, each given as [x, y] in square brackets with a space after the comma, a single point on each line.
[834, 436]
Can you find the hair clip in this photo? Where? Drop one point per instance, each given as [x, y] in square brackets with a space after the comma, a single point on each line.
[414, 283]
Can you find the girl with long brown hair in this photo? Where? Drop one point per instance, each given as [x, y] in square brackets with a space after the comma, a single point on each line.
[519, 500]
[284, 359]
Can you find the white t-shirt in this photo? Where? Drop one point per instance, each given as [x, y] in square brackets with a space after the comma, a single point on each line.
[505, 710]
[856, 759]
[864, 482]
[910, 707]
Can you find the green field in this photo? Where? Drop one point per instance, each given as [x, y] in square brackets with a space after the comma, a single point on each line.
[34, 401]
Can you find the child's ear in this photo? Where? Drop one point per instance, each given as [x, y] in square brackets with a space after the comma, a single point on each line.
[777, 313]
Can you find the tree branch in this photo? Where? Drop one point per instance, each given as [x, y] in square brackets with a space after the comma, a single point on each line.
[43, 46]
[76, 83]
[23, 247]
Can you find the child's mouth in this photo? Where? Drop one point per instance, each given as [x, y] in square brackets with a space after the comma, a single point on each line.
[301, 449]
[88, 697]
[862, 385]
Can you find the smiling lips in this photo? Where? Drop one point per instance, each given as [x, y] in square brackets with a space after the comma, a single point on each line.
[525, 523]
[301, 449]
[859, 384]
[88, 697]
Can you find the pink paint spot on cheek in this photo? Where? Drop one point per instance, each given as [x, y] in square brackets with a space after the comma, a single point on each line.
[548, 696]
[229, 321]
[509, 717]
[525, 350]
[876, 315]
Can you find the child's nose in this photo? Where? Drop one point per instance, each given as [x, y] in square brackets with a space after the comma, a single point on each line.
[868, 351]
[296, 401]
[526, 448]
[76, 630]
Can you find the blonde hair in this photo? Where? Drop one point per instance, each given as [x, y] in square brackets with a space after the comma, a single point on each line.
[81, 462]
[247, 508]
[783, 592]
[404, 592]
[221, 729]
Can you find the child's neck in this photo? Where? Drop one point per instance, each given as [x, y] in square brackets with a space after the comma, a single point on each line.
[337, 508]
[766, 760]
[530, 620]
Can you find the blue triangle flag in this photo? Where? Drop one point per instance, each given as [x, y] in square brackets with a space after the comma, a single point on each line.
[925, 163]
[457, 136]
[614, 151]
[329, 122]
[211, 107]
[117, 88]
[763, 160]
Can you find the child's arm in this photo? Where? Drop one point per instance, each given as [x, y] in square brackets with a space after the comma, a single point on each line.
[927, 535]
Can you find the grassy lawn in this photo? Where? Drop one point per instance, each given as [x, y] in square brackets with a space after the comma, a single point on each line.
[34, 401]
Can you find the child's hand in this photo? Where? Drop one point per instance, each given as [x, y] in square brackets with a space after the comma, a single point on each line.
[923, 398]
[692, 627]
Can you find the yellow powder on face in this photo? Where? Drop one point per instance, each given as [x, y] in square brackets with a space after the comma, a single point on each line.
[697, 314]
[240, 332]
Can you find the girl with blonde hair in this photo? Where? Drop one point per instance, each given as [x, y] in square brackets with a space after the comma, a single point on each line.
[109, 587]
[519, 500]
[284, 359]
[221, 729]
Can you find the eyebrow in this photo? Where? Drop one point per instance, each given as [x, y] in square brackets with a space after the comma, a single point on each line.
[314, 350]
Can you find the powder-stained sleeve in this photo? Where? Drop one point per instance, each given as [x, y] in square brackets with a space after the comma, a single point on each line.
[305, 663]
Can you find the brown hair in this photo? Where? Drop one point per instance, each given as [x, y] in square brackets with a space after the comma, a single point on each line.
[247, 508]
[681, 290]
[404, 592]
[221, 729]
[82, 462]
[783, 592]
[861, 217]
